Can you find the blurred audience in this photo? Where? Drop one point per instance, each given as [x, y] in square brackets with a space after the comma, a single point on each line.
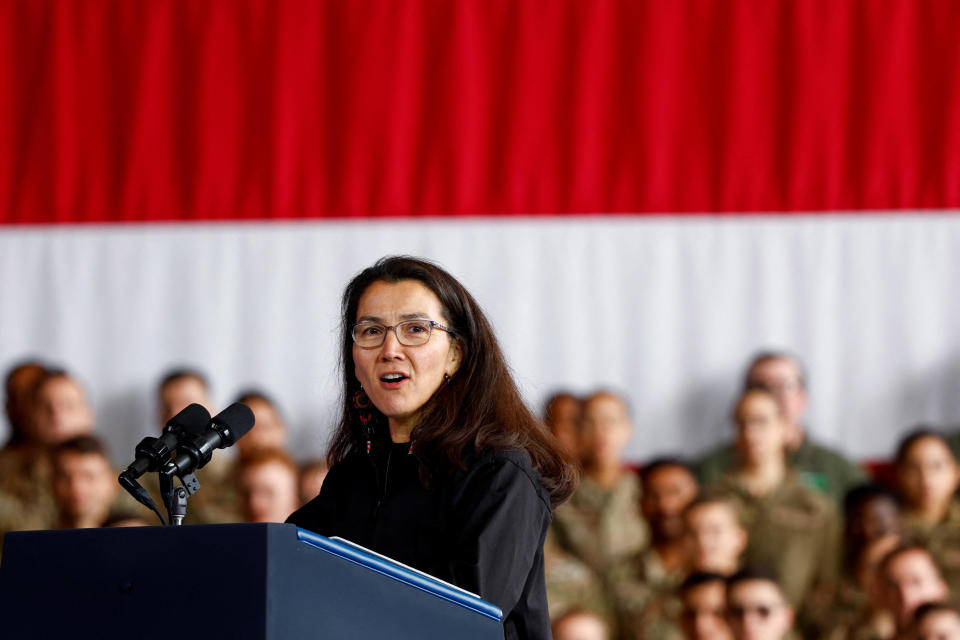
[912, 579]
[267, 483]
[866, 615]
[600, 528]
[792, 529]
[757, 608]
[312, 475]
[703, 617]
[84, 483]
[179, 388]
[716, 540]
[936, 621]
[562, 414]
[269, 428]
[817, 466]
[928, 477]
[578, 624]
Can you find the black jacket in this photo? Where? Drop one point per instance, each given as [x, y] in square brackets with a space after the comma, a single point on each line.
[481, 529]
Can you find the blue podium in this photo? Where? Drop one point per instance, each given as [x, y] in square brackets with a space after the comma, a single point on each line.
[252, 581]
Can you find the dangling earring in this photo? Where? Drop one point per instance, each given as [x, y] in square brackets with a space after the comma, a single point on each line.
[361, 402]
[446, 377]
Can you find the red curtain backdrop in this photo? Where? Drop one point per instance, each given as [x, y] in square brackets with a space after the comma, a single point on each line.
[112, 110]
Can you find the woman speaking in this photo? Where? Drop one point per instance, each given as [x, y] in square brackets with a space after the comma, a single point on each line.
[436, 461]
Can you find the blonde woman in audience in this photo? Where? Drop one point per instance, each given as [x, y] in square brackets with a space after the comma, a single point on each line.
[715, 538]
[928, 477]
[792, 529]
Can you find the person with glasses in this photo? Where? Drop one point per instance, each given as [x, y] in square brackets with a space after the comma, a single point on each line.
[436, 461]
[756, 606]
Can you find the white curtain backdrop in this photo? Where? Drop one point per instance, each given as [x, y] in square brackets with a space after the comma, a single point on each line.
[665, 309]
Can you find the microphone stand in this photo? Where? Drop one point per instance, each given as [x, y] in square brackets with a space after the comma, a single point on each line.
[175, 498]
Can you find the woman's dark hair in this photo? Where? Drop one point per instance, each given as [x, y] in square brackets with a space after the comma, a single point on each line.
[479, 408]
[917, 434]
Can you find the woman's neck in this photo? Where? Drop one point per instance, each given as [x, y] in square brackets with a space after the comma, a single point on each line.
[400, 430]
[763, 476]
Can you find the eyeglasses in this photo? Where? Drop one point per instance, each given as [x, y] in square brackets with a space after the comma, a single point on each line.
[410, 333]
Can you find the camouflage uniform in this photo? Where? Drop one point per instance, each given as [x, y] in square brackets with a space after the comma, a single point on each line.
[647, 598]
[796, 532]
[818, 468]
[943, 541]
[25, 484]
[592, 535]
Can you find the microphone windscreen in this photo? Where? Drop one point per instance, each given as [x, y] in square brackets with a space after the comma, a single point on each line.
[192, 420]
[238, 418]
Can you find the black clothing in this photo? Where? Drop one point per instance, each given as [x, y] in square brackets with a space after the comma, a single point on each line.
[481, 529]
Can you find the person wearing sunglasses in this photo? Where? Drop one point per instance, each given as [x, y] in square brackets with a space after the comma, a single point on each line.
[756, 606]
[436, 461]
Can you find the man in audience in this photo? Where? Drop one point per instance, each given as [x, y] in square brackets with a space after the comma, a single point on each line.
[716, 539]
[818, 467]
[562, 415]
[48, 407]
[269, 428]
[912, 579]
[928, 477]
[267, 480]
[600, 527]
[937, 621]
[792, 529]
[179, 388]
[84, 484]
[704, 598]
[756, 606]
[579, 624]
[312, 475]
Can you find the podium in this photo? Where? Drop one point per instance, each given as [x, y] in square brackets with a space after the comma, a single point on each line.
[257, 581]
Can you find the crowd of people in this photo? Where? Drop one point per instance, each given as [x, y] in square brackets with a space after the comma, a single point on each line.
[771, 535]
[767, 537]
[55, 470]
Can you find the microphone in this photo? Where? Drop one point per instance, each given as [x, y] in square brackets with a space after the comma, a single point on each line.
[224, 429]
[152, 453]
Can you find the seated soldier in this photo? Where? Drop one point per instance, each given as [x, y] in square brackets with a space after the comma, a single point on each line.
[269, 428]
[868, 617]
[757, 608]
[84, 483]
[912, 579]
[936, 621]
[792, 528]
[871, 512]
[53, 410]
[928, 476]
[579, 624]
[179, 388]
[715, 538]
[704, 598]
[816, 466]
[646, 589]
[267, 482]
[562, 414]
[600, 527]
[312, 475]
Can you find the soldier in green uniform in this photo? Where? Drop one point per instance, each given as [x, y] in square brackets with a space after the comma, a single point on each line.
[600, 527]
[816, 466]
[928, 476]
[792, 529]
[757, 608]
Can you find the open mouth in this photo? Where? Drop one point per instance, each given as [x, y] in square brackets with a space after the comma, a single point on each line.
[392, 378]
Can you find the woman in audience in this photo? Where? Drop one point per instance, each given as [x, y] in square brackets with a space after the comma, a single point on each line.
[791, 528]
[928, 477]
[437, 462]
